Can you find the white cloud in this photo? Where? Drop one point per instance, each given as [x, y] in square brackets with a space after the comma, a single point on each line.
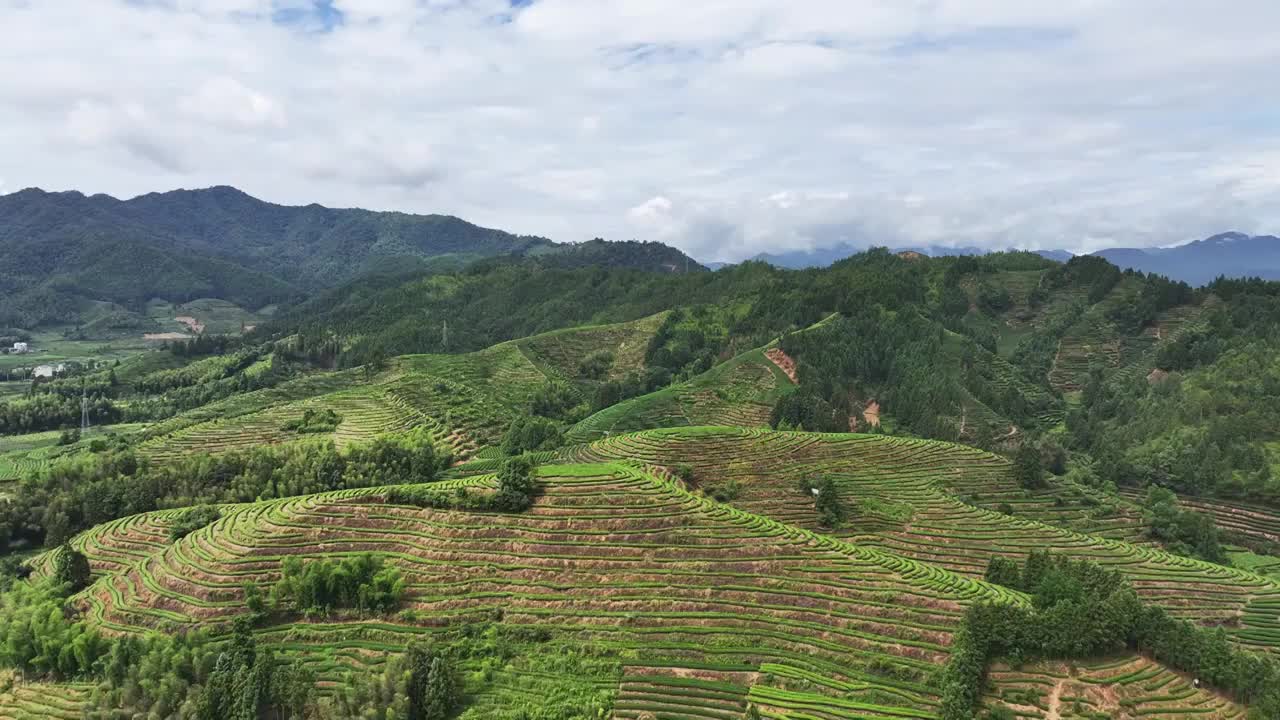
[724, 126]
[226, 102]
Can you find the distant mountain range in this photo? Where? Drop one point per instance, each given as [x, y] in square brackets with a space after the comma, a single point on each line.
[1230, 254]
[65, 249]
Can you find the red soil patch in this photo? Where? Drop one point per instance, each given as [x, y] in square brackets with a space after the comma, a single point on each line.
[784, 363]
[196, 326]
[910, 255]
[872, 413]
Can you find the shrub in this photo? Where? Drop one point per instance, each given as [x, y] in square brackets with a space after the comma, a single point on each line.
[1004, 571]
[596, 365]
[193, 519]
[531, 434]
[826, 500]
[1027, 468]
[360, 582]
[727, 491]
[70, 566]
[557, 401]
[314, 421]
[517, 488]
[516, 485]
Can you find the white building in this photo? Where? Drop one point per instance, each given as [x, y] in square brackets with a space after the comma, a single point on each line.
[21, 347]
[48, 371]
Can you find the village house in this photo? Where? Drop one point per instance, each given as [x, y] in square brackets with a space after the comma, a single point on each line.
[48, 371]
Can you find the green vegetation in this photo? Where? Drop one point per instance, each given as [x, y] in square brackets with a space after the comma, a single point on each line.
[516, 491]
[192, 519]
[314, 421]
[720, 495]
[359, 583]
[826, 501]
[422, 684]
[1082, 610]
[70, 567]
[55, 503]
[531, 434]
[1185, 532]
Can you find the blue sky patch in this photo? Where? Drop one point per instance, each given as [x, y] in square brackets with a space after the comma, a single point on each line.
[318, 15]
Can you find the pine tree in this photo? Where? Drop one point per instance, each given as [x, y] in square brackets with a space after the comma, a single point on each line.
[434, 689]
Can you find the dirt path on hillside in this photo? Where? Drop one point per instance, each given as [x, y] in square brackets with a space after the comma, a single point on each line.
[784, 363]
[1055, 702]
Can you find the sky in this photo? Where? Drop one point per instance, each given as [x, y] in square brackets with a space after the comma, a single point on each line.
[723, 127]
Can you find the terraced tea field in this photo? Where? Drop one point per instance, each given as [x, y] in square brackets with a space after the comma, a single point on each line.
[559, 353]
[692, 607]
[24, 455]
[1253, 523]
[41, 701]
[1074, 507]
[611, 554]
[1129, 686]
[467, 400]
[1094, 340]
[903, 502]
[739, 392]
[364, 413]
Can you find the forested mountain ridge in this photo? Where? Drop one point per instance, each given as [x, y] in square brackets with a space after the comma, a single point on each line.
[63, 248]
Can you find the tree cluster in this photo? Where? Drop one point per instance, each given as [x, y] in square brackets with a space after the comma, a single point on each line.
[86, 490]
[192, 519]
[531, 434]
[314, 421]
[1080, 610]
[517, 489]
[1182, 531]
[825, 494]
[190, 677]
[422, 684]
[320, 586]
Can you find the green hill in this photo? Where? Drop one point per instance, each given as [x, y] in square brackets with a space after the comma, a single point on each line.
[63, 250]
[578, 485]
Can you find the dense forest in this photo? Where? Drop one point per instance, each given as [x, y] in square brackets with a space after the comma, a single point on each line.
[63, 250]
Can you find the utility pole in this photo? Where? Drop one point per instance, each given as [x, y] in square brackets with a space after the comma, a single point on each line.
[445, 335]
[84, 410]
